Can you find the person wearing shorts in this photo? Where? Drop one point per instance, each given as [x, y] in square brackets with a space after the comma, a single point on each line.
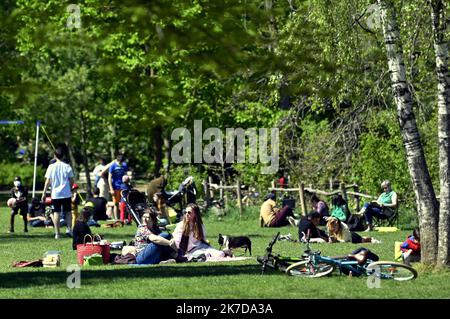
[117, 170]
[59, 177]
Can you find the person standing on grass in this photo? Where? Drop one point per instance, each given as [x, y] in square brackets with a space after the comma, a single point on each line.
[117, 170]
[59, 176]
[19, 193]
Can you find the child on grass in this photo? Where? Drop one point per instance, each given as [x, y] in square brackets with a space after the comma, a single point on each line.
[411, 248]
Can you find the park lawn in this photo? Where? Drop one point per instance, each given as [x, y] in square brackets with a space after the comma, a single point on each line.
[240, 279]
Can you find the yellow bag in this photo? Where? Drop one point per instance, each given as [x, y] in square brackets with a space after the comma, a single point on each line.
[172, 214]
[397, 250]
[386, 229]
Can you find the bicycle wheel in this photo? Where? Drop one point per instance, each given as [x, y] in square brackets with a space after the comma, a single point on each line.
[305, 268]
[391, 270]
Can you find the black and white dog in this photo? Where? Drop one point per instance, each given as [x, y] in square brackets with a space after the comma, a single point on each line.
[235, 242]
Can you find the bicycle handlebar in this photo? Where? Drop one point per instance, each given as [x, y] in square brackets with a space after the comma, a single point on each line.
[274, 240]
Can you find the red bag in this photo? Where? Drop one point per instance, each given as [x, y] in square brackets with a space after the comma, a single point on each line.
[88, 249]
[106, 249]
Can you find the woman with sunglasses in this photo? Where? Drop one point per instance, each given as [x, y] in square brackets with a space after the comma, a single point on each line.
[190, 236]
[152, 245]
[382, 208]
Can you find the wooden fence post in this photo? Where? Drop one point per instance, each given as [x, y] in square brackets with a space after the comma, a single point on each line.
[239, 198]
[211, 190]
[344, 192]
[301, 188]
[206, 189]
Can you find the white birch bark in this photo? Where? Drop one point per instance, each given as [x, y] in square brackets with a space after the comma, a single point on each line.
[442, 71]
[427, 205]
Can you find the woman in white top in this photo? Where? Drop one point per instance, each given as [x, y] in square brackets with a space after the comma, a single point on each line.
[339, 232]
[190, 236]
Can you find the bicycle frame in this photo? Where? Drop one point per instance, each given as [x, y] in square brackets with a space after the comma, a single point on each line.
[341, 264]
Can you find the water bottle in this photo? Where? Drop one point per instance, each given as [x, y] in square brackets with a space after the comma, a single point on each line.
[350, 275]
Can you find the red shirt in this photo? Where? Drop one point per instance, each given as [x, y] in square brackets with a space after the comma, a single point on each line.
[410, 244]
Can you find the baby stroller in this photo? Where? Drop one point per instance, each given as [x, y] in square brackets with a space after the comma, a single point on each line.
[135, 203]
[186, 194]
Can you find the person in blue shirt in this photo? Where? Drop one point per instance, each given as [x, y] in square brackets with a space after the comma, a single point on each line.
[117, 170]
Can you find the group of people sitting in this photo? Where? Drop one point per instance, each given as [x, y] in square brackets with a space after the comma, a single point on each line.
[341, 224]
[153, 245]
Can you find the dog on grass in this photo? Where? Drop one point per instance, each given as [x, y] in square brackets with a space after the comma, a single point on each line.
[231, 243]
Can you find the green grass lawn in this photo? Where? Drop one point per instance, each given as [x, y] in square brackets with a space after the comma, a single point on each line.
[197, 280]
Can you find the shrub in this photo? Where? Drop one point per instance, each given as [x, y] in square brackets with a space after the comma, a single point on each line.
[10, 170]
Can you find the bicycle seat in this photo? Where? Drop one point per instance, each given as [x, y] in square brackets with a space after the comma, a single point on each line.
[360, 257]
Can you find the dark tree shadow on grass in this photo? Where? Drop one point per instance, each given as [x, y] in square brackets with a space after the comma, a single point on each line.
[41, 277]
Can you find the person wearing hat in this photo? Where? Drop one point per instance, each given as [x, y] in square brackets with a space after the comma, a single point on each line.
[18, 204]
[75, 201]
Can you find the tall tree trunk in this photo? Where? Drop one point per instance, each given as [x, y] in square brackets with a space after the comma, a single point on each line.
[84, 153]
[442, 58]
[427, 205]
[158, 148]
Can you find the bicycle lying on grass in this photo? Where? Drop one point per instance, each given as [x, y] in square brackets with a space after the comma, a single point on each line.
[313, 265]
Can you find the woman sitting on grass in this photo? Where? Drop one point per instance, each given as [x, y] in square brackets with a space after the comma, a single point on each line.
[152, 245]
[190, 237]
[339, 232]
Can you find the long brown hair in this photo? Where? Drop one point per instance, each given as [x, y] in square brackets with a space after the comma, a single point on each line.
[197, 226]
[331, 222]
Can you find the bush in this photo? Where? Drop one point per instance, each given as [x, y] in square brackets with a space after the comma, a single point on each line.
[10, 170]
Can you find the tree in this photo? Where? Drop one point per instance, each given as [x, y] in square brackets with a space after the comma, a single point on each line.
[427, 204]
[439, 25]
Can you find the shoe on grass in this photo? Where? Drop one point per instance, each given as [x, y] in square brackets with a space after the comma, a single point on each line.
[292, 221]
[168, 261]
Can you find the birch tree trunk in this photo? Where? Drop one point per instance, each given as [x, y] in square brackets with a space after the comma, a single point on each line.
[427, 205]
[442, 58]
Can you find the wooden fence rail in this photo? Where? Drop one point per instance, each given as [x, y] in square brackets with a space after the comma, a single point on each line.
[301, 189]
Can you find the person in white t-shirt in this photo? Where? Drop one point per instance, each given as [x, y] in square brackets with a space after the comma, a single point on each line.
[59, 176]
